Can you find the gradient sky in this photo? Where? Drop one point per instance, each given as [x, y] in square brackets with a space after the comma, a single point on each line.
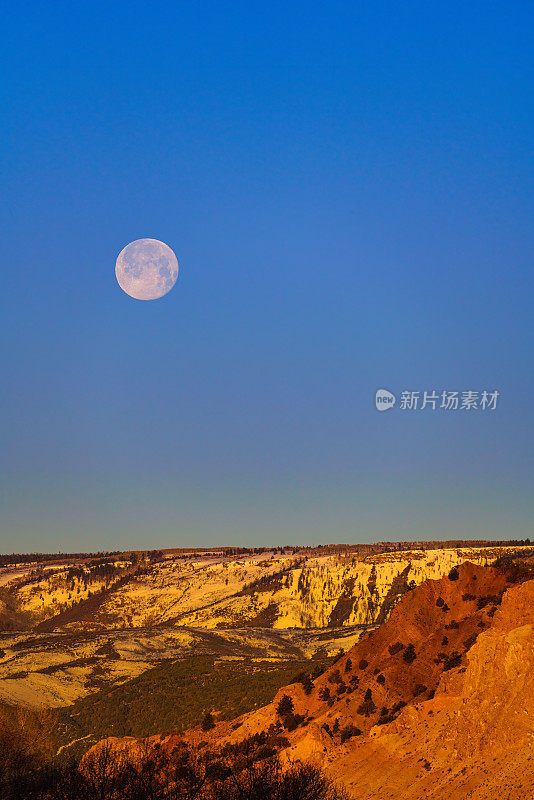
[348, 188]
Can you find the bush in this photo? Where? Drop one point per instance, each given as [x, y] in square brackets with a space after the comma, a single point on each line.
[348, 665]
[292, 721]
[397, 707]
[380, 679]
[368, 706]
[335, 677]
[349, 731]
[395, 648]
[440, 601]
[285, 706]
[363, 664]
[207, 722]
[255, 774]
[409, 654]
[419, 689]
[324, 694]
[454, 574]
[317, 671]
[305, 680]
[469, 642]
[383, 720]
[454, 660]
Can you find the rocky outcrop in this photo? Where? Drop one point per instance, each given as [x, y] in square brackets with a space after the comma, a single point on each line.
[437, 702]
[451, 718]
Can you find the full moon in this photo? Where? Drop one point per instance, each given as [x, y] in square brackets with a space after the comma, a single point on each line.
[146, 269]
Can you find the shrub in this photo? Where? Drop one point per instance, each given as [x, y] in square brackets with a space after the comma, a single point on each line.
[305, 680]
[444, 641]
[363, 664]
[349, 731]
[454, 660]
[454, 574]
[397, 707]
[368, 706]
[482, 602]
[469, 642]
[207, 722]
[292, 721]
[409, 654]
[285, 706]
[335, 677]
[317, 671]
[380, 679]
[385, 719]
[324, 694]
[348, 665]
[419, 689]
[395, 648]
[440, 601]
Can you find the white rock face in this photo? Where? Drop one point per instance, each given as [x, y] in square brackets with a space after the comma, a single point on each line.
[282, 592]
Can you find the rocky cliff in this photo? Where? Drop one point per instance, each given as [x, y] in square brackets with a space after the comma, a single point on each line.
[437, 702]
[298, 591]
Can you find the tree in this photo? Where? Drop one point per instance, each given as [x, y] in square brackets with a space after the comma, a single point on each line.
[285, 706]
[335, 677]
[306, 682]
[368, 706]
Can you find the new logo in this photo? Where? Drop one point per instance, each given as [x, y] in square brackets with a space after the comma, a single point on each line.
[384, 400]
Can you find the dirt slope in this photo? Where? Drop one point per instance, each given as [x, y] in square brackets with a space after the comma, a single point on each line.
[438, 702]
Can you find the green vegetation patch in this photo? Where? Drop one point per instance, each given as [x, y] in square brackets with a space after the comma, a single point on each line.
[176, 695]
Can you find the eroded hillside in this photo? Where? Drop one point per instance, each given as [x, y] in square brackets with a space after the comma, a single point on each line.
[104, 622]
[267, 590]
[436, 702]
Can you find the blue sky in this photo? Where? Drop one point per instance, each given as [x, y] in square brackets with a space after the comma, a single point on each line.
[348, 188]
